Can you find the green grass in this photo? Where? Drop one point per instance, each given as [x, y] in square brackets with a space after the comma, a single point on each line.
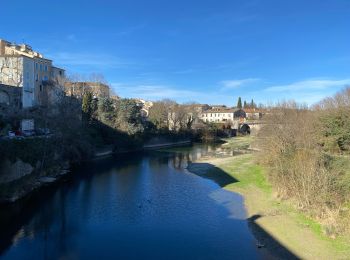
[251, 176]
[247, 173]
[253, 184]
[240, 142]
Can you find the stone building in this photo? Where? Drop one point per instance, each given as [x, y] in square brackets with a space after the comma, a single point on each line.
[145, 106]
[21, 66]
[218, 115]
[77, 89]
[253, 113]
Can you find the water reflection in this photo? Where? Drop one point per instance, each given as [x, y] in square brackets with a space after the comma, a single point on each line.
[183, 156]
[131, 208]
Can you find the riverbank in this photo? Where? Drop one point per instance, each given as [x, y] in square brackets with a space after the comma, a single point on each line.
[24, 186]
[108, 150]
[280, 230]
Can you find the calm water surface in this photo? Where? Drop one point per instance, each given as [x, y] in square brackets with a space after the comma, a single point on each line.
[136, 207]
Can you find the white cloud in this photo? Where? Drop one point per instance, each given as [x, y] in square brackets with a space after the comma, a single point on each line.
[82, 59]
[311, 84]
[153, 91]
[129, 30]
[233, 84]
[185, 71]
[157, 92]
[308, 91]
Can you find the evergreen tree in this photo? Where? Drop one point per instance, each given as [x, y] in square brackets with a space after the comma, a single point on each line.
[245, 104]
[252, 105]
[87, 105]
[239, 103]
[106, 111]
[128, 116]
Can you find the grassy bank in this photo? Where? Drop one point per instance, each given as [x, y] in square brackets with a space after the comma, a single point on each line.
[280, 229]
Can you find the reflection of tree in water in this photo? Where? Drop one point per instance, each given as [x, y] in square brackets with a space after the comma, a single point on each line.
[55, 232]
[181, 160]
[63, 234]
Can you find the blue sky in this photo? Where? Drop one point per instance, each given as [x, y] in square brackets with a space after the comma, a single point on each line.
[198, 50]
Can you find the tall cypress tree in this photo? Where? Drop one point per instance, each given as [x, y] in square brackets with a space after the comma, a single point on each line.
[252, 105]
[239, 103]
[87, 106]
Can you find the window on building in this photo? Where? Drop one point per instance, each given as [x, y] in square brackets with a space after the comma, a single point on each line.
[41, 67]
[45, 67]
[41, 88]
[36, 66]
[37, 77]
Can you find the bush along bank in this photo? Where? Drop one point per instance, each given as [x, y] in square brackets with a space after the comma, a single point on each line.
[26, 164]
[307, 153]
[79, 128]
[281, 230]
[29, 163]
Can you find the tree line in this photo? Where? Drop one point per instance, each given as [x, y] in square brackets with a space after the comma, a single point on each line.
[246, 104]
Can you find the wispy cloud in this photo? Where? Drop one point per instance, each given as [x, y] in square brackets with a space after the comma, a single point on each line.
[185, 71]
[92, 60]
[130, 30]
[310, 84]
[307, 91]
[71, 37]
[233, 84]
[157, 92]
[152, 91]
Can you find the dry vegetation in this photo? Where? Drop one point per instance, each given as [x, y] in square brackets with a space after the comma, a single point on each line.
[307, 153]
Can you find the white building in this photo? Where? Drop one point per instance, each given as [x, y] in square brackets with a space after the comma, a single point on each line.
[22, 67]
[218, 115]
[145, 106]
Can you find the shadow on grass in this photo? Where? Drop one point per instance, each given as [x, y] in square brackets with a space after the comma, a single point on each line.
[269, 244]
[270, 247]
[211, 172]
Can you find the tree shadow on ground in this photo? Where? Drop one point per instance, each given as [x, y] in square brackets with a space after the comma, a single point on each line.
[211, 172]
[270, 247]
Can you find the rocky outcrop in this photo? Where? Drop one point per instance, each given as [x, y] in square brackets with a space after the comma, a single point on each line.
[14, 171]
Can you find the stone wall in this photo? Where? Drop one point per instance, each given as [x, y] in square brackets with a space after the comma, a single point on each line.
[78, 89]
[10, 97]
[14, 171]
[11, 70]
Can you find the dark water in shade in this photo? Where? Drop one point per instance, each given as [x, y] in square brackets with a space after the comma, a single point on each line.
[134, 207]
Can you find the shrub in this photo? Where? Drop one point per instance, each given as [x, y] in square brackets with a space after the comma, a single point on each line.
[301, 169]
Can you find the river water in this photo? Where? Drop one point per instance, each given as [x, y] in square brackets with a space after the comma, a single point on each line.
[144, 206]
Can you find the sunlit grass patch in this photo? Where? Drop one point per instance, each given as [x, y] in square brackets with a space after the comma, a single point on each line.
[240, 142]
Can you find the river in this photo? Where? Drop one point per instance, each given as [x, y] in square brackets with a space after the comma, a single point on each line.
[144, 206]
